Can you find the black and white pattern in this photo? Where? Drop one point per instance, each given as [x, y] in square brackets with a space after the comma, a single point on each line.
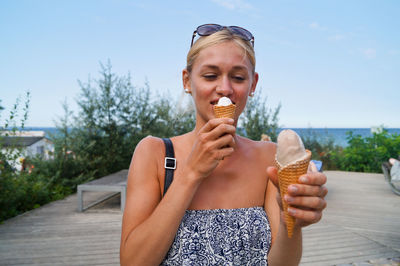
[221, 237]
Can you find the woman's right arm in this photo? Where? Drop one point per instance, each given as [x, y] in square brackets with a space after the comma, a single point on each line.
[150, 223]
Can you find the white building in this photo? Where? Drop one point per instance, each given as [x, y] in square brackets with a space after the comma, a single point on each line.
[30, 143]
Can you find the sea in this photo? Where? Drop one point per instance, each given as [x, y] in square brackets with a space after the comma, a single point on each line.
[339, 135]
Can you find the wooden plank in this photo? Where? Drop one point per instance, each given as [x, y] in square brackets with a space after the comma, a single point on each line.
[358, 223]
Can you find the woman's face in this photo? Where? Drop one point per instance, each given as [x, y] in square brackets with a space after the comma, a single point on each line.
[220, 70]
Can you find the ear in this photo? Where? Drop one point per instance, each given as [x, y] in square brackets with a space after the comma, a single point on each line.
[186, 81]
[253, 84]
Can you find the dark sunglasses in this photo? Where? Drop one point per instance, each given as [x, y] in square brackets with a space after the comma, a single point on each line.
[208, 29]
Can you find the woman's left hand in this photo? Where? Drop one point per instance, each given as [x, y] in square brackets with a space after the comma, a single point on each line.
[306, 199]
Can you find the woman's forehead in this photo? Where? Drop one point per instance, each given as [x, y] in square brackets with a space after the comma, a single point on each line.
[223, 54]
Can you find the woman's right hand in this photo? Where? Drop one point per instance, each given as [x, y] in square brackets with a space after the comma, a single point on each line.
[214, 142]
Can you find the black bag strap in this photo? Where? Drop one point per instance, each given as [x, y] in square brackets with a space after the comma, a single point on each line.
[169, 163]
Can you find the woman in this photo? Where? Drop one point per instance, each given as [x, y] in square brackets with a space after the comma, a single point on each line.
[223, 206]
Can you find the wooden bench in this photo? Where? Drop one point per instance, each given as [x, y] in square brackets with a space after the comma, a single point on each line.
[115, 182]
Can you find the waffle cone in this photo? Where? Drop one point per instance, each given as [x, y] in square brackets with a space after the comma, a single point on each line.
[287, 175]
[224, 111]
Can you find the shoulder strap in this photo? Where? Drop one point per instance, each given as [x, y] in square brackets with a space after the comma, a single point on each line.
[169, 163]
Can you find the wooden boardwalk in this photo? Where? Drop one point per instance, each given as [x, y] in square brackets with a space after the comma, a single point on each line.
[361, 226]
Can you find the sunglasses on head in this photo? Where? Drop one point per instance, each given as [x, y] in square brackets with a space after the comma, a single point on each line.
[208, 29]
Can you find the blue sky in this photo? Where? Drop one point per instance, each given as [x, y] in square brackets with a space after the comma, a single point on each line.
[329, 63]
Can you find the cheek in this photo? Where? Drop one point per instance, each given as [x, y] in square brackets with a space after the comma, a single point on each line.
[242, 103]
[242, 96]
[202, 89]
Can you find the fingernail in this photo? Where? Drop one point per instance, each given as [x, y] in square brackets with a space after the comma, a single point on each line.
[303, 179]
[293, 188]
[291, 211]
[288, 199]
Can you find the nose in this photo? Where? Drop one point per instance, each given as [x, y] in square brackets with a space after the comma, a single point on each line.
[224, 87]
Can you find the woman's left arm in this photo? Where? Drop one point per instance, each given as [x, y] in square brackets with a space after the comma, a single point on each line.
[306, 202]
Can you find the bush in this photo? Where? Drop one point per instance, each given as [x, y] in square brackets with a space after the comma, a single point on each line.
[367, 154]
[23, 192]
[322, 147]
[13, 199]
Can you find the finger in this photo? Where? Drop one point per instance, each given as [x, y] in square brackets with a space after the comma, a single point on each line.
[324, 191]
[272, 173]
[306, 190]
[225, 141]
[220, 148]
[307, 216]
[222, 130]
[216, 133]
[225, 152]
[213, 123]
[315, 203]
[313, 178]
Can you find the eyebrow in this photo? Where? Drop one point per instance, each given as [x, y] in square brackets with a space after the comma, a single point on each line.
[214, 67]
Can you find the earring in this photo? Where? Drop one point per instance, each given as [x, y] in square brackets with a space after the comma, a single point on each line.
[187, 91]
[252, 94]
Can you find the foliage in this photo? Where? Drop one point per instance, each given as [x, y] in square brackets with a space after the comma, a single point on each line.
[114, 116]
[367, 154]
[322, 147]
[11, 152]
[22, 192]
[258, 119]
[15, 187]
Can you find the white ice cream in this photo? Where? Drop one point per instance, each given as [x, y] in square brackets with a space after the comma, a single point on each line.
[224, 101]
[290, 148]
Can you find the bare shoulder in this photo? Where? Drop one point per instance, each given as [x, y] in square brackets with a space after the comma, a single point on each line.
[148, 143]
[262, 151]
[262, 148]
[145, 162]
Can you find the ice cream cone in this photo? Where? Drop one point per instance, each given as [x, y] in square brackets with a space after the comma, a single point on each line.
[224, 111]
[289, 174]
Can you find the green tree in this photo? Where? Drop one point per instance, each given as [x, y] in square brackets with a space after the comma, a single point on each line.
[101, 129]
[258, 119]
[114, 116]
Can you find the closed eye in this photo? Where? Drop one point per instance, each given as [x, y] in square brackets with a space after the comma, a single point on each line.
[210, 76]
[239, 78]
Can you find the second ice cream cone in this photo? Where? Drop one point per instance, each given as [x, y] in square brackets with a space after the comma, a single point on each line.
[288, 175]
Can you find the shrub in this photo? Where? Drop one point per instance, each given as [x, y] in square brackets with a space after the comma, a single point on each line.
[367, 154]
[322, 147]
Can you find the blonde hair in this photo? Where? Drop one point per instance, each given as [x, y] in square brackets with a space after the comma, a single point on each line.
[219, 37]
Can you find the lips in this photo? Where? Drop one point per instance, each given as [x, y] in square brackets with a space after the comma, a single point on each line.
[215, 101]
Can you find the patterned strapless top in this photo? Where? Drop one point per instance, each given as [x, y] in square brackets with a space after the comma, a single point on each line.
[221, 237]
